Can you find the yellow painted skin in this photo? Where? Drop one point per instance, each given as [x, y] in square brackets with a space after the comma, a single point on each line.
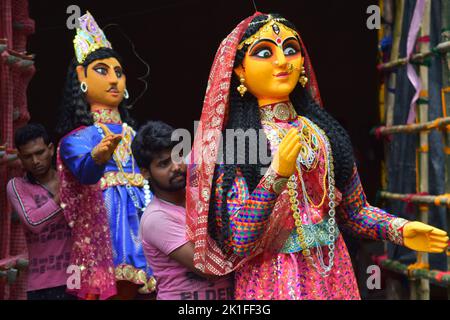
[106, 84]
[271, 70]
[264, 60]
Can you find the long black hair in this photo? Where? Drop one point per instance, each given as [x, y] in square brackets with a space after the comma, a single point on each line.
[244, 114]
[74, 109]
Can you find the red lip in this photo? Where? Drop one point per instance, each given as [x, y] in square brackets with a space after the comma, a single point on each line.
[282, 74]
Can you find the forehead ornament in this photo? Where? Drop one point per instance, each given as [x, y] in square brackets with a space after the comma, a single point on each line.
[270, 23]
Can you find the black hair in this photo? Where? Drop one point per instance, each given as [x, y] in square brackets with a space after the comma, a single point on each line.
[29, 133]
[74, 109]
[152, 138]
[244, 114]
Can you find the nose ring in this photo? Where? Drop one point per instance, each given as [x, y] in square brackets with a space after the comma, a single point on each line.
[276, 62]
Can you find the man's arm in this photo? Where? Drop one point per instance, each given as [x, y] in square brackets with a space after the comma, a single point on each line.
[185, 256]
[34, 218]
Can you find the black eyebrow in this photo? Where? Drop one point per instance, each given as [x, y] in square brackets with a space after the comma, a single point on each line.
[261, 40]
[289, 39]
[101, 64]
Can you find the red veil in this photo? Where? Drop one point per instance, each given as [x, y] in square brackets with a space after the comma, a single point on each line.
[208, 257]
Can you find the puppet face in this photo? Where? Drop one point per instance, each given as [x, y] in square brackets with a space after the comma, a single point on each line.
[272, 64]
[105, 80]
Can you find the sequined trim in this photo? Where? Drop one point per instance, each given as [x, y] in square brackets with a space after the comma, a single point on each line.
[273, 182]
[106, 116]
[282, 111]
[116, 178]
[127, 272]
[315, 235]
[395, 231]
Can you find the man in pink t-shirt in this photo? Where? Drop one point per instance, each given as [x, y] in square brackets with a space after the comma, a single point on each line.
[163, 224]
[35, 200]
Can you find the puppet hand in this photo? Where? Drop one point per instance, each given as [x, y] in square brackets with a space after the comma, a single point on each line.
[105, 149]
[285, 158]
[419, 236]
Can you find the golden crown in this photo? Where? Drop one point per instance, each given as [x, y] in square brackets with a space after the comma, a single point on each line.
[89, 38]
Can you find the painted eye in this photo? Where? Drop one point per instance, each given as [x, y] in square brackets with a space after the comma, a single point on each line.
[264, 53]
[119, 73]
[289, 51]
[101, 70]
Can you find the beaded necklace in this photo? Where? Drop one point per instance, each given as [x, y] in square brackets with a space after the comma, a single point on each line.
[313, 140]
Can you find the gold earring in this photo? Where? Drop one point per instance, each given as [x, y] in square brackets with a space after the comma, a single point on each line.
[303, 79]
[242, 89]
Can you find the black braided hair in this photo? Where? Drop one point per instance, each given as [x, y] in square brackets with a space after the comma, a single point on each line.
[244, 114]
[74, 109]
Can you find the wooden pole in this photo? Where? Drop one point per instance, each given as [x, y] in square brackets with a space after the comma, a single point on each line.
[420, 57]
[438, 123]
[423, 289]
[446, 102]
[441, 200]
[391, 83]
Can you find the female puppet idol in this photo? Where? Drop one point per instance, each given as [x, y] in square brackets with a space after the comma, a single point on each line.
[280, 230]
[103, 192]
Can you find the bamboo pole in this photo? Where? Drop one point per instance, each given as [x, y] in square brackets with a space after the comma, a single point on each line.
[441, 200]
[435, 276]
[387, 10]
[391, 83]
[423, 284]
[442, 48]
[446, 98]
[438, 123]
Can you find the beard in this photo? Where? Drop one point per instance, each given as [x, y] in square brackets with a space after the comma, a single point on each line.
[175, 183]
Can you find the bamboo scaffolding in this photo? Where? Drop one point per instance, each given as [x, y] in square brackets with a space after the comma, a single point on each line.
[435, 276]
[392, 80]
[442, 47]
[446, 97]
[439, 123]
[422, 285]
[439, 200]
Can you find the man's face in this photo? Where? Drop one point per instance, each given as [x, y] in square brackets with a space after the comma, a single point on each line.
[167, 175]
[36, 156]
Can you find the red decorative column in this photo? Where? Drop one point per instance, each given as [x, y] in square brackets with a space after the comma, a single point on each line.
[16, 70]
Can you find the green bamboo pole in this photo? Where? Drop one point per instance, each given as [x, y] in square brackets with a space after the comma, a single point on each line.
[435, 276]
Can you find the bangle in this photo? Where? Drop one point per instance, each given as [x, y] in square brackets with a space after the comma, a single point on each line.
[273, 182]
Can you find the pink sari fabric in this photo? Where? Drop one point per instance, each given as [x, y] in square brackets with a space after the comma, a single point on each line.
[289, 277]
[92, 249]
